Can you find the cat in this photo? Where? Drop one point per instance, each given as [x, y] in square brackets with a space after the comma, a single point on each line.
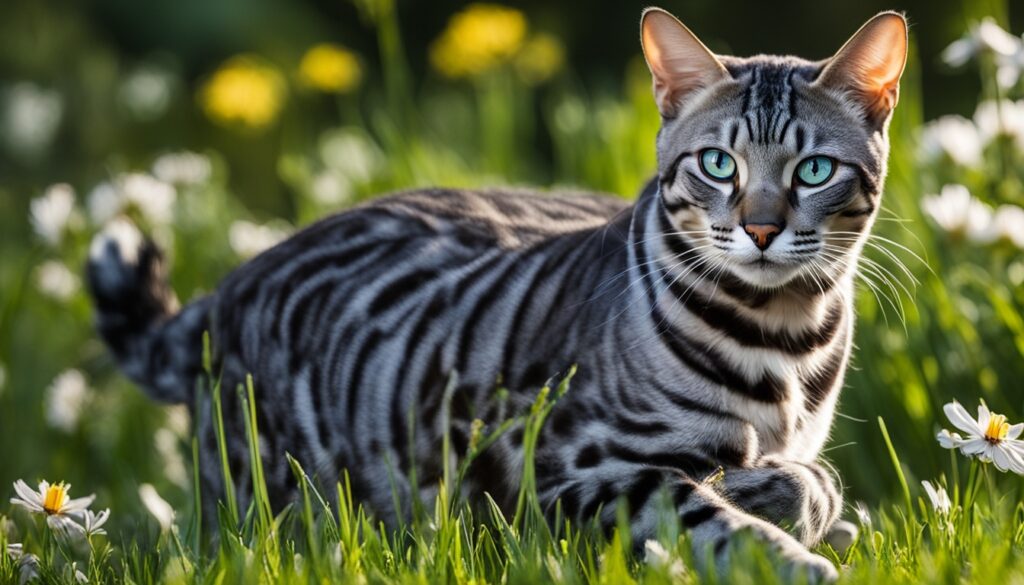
[711, 320]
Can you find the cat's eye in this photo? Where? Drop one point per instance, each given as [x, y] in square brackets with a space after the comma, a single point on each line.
[718, 164]
[815, 170]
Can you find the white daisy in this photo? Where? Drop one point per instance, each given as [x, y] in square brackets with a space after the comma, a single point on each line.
[179, 420]
[79, 576]
[983, 37]
[15, 550]
[153, 197]
[938, 496]
[1010, 67]
[655, 555]
[157, 506]
[104, 202]
[55, 280]
[956, 211]
[863, 514]
[352, 153]
[182, 168]
[989, 438]
[28, 568]
[1005, 118]
[146, 92]
[331, 188]
[53, 501]
[248, 239]
[51, 213]
[93, 523]
[174, 464]
[1009, 223]
[30, 116]
[65, 399]
[952, 136]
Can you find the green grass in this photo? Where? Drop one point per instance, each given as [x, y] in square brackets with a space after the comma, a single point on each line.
[455, 541]
[942, 322]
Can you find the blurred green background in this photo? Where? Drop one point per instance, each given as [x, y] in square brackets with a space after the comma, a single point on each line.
[220, 126]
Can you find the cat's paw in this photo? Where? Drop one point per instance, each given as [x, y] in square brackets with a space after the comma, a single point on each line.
[811, 568]
[841, 536]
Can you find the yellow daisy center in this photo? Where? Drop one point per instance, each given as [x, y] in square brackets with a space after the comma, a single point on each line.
[997, 429]
[55, 498]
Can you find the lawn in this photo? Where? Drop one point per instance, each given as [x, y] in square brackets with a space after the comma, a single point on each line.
[324, 125]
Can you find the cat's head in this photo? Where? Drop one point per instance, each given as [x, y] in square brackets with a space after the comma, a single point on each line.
[773, 166]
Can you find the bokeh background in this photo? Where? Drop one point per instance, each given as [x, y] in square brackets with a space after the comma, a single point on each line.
[221, 126]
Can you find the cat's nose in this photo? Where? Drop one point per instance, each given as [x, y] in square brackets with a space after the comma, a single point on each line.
[762, 233]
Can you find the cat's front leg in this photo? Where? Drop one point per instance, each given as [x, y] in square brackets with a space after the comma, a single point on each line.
[712, 521]
[802, 497]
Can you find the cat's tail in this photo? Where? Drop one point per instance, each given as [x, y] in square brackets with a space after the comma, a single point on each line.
[155, 344]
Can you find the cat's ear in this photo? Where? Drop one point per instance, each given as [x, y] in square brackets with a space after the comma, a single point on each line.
[870, 64]
[679, 62]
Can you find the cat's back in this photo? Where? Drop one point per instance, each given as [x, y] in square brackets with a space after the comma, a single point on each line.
[374, 256]
[508, 218]
[478, 219]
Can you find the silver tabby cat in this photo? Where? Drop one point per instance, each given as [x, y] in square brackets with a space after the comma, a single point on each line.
[711, 320]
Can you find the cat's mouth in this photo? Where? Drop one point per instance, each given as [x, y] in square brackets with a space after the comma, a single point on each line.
[765, 272]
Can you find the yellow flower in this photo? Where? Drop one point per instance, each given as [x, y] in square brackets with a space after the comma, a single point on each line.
[243, 91]
[478, 39]
[541, 58]
[330, 68]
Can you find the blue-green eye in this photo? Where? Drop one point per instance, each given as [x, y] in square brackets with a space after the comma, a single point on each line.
[718, 164]
[815, 170]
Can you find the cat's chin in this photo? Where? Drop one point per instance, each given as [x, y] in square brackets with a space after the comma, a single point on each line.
[764, 273]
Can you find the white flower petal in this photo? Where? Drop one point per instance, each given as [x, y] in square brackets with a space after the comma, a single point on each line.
[932, 495]
[93, 522]
[1014, 431]
[975, 446]
[984, 415]
[15, 550]
[157, 506]
[952, 136]
[28, 568]
[949, 440]
[1014, 456]
[1015, 446]
[64, 527]
[1000, 458]
[26, 493]
[992, 36]
[51, 213]
[78, 504]
[959, 52]
[938, 496]
[65, 399]
[960, 418]
[863, 514]
[30, 506]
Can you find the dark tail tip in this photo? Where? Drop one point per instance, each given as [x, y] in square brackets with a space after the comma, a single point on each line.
[127, 277]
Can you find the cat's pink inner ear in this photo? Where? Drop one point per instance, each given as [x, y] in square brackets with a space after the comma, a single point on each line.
[871, 62]
[679, 62]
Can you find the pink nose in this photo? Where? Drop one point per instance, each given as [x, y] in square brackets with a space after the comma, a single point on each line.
[762, 233]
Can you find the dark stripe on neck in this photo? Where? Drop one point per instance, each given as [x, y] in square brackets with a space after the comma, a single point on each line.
[712, 366]
[748, 333]
[819, 385]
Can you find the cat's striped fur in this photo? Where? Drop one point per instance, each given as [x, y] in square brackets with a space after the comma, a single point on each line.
[688, 360]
